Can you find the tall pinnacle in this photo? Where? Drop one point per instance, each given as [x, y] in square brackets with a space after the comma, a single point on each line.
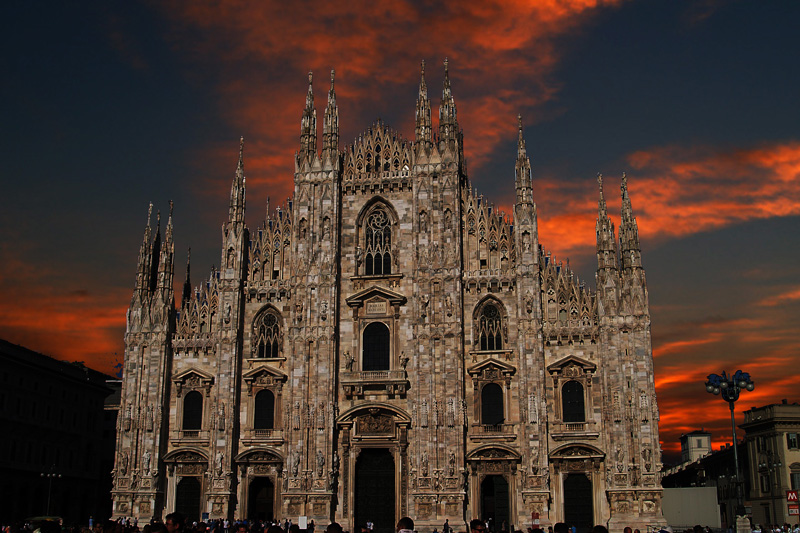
[448, 121]
[145, 257]
[330, 125]
[628, 231]
[308, 125]
[606, 242]
[237, 204]
[422, 129]
[523, 180]
[187, 284]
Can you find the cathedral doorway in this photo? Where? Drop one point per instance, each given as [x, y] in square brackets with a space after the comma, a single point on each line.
[578, 497]
[261, 499]
[495, 502]
[374, 489]
[187, 498]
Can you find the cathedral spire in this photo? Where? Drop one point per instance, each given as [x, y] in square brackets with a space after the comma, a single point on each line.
[523, 181]
[145, 258]
[330, 126]
[606, 242]
[448, 121]
[628, 231]
[422, 130]
[155, 253]
[308, 126]
[237, 204]
[166, 260]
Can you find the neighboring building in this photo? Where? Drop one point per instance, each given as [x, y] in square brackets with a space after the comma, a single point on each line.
[712, 470]
[773, 449]
[52, 415]
[695, 445]
[387, 343]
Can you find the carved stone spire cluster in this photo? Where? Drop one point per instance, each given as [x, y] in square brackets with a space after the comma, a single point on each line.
[330, 128]
[628, 232]
[606, 240]
[523, 180]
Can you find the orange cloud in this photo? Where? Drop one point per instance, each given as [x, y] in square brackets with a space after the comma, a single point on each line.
[790, 296]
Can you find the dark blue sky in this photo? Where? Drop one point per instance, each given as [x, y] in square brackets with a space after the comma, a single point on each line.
[111, 105]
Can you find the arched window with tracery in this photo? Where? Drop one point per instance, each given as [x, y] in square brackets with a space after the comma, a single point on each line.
[192, 411]
[378, 243]
[376, 347]
[490, 328]
[264, 416]
[572, 404]
[267, 330]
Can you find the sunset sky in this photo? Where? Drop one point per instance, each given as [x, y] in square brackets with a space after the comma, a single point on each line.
[111, 105]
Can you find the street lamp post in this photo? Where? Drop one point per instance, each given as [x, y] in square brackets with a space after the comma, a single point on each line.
[730, 387]
[50, 476]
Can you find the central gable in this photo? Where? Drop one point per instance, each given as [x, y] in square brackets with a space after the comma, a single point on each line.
[378, 152]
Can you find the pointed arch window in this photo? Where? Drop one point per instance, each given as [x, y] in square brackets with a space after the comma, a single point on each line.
[267, 330]
[572, 404]
[378, 243]
[490, 328]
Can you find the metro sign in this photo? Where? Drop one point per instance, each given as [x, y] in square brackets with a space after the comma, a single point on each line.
[791, 496]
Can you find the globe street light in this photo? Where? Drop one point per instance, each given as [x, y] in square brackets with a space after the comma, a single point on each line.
[730, 387]
[50, 476]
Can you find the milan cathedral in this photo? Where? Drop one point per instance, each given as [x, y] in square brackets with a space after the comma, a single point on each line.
[388, 343]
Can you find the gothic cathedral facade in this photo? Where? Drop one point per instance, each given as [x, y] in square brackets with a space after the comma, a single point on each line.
[387, 343]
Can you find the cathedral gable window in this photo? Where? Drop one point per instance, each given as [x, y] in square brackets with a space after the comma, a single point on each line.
[378, 243]
[267, 335]
[490, 328]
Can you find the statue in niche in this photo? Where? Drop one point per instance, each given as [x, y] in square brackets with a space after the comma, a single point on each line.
[123, 463]
[218, 463]
[326, 227]
[403, 360]
[529, 302]
[448, 219]
[451, 464]
[359, 255]
[295, 464]
[423, 221]
[448, 304]
[349, 361]
[424, 464]
[320, 463]
[146, 462]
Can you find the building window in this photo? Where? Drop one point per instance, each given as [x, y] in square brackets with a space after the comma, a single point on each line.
[765, 483]
[791, 441]
[193, 411]
[794, 476]
[572, 402]
[376, 347]
[264, 416]
[492, 405]
[267, 329]
[490, 328]
[378, 243]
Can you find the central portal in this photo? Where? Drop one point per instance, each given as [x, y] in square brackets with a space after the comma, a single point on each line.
[374, 490]
[261, 499]
[578, 496]
[494, 502]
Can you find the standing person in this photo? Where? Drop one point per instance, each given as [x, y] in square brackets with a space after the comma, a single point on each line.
[446, 526]
[477, 526]
[175, 522]
[405, 525]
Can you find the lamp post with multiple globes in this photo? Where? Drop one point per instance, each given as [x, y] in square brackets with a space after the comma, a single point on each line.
[730, 387]
[50, 475]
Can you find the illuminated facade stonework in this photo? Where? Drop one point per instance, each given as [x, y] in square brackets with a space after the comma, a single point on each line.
[388, 344]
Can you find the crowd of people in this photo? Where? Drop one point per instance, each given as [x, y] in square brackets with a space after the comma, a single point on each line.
[177, 523]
